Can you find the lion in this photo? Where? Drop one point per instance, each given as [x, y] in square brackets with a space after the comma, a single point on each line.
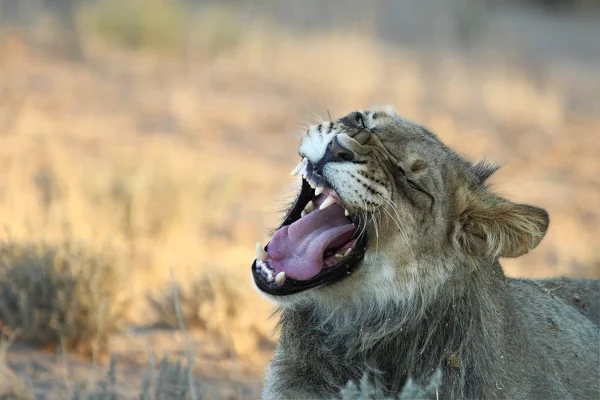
[386, 267]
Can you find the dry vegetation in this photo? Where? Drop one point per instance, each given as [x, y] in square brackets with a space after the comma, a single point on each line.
[149, 165]
[60, 295]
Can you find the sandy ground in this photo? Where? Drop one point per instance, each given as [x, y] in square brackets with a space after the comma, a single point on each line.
[218, 374]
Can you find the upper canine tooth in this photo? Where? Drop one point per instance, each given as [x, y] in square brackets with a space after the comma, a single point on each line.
[328, 201]
[261, 254]
[299, 167]
[346, 212]
[319, 190]
[280, 278]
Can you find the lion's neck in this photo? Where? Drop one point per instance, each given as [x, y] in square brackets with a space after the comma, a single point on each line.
[457, 330]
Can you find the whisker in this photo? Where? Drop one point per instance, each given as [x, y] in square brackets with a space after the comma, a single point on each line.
[374, 219]
[397, 221]
[365, 218]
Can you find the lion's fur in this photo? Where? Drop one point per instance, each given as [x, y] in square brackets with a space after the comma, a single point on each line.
[430, 292]
[583, 294]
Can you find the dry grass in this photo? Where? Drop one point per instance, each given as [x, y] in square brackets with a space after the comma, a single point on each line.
[60, 295]
[153, 24]
[170, 379]
[11, 385]
[175, 156]
[169, 27]
[206, 305]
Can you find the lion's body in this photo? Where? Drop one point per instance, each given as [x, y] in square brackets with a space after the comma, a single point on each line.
[508, 340]
[583, 294]
[429, 292]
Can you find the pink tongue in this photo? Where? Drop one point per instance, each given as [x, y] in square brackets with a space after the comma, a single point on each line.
[298, 249]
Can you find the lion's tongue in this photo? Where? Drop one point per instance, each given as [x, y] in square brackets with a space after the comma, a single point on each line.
[298, 249]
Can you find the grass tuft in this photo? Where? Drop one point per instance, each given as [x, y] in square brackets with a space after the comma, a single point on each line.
[60, 295]
[208, 305]
[170, 381]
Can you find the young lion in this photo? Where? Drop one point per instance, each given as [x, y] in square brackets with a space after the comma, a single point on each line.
[387, 265]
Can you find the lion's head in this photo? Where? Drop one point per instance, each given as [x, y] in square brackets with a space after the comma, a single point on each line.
[386, 210]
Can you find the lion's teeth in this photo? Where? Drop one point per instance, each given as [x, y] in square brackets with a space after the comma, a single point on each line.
[319, 190]
[328, 201]
[299, 167]
[261, 254]
[310, 207]
[339, 256]
[346, 212]
[280, 278]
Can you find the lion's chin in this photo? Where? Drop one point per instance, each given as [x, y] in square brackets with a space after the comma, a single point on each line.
[317, 244]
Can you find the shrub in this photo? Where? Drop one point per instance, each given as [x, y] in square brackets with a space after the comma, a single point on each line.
[60, 295]
[207, 304]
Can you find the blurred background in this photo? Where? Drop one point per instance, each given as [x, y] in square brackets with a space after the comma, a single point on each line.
[145, 147]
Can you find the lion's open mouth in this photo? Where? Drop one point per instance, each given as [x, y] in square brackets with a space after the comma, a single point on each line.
[317, 244]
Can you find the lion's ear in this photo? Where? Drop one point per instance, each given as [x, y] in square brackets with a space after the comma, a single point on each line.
[489, 225]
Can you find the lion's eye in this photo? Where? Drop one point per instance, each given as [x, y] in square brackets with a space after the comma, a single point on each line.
[361, 120]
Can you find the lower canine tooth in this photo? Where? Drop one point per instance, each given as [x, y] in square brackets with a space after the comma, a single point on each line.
[280, 278]
[328, 201]
[339, 256]
[310, 207]
[348, 251]
[261, 254]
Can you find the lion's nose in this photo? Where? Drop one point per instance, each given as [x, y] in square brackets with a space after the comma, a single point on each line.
[335, 153]
[339, 152]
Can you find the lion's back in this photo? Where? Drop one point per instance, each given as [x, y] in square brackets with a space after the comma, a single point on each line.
[552, 347]
[581, 293]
